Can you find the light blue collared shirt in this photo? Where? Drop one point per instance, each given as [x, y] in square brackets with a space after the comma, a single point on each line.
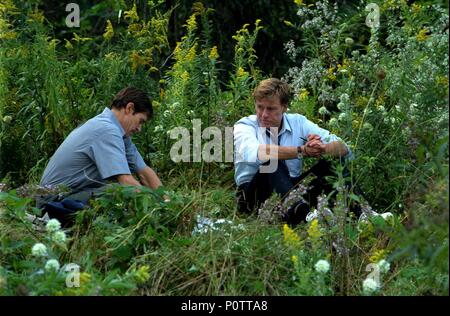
[248, 135]
[92, 153]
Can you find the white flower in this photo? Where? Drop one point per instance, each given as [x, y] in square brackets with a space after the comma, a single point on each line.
[52, 264]
[370, 286]
[322, 266]
[344, 97]
[323, 110]
[7, 119]
[384, 266]
[333, 122]
[39, 250]
[158, 128]
[341, 106]
[53, 225]
[349, 41]
[343, 117]
[59, 237]
[368, 126]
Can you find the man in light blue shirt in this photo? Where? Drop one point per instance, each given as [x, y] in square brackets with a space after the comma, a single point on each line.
[269, 148]
[101, 150]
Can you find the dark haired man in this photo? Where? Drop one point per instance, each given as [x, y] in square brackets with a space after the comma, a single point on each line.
[101, 149]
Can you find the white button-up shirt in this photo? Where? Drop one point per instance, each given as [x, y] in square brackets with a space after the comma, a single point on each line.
[248, 135]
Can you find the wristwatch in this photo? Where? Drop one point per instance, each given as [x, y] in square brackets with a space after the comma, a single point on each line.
[300, 154]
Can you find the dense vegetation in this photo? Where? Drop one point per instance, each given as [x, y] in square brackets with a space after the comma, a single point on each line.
[382, 88]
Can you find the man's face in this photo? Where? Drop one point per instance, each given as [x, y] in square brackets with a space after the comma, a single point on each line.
[133, 121]
[269, 112]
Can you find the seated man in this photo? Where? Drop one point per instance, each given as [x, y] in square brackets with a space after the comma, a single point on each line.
[101, 150]
[270, 146]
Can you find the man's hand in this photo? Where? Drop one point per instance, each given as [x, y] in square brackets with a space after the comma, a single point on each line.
[314, 147]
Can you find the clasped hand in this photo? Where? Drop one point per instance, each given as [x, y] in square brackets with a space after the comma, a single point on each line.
[314, 147]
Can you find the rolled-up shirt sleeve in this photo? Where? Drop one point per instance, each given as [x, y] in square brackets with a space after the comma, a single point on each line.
[108, 152]
[325, 135]
[134, 158]
[246, 144]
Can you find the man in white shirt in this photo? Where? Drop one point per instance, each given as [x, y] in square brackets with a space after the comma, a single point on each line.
[270, 146]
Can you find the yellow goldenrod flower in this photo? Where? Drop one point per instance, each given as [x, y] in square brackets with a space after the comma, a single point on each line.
[142, 274]
[415, 8]
[185, 76]
[377, 255]
[79, 39]
[303, 94]
[109, 31]
[191, 23]
[314, 230]
[241, 72]
[213, 53]
[298, 2]
[294, 260]
[190, 56]
[136, 60]
[85, 278]
[331, 74]
[422, 36]
[132, 14]
[442, 80]
[290, 237]
[36, 16]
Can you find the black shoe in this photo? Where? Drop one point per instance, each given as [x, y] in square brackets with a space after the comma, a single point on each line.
[296, 213]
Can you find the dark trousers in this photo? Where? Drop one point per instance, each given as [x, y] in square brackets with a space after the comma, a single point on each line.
[251, 195]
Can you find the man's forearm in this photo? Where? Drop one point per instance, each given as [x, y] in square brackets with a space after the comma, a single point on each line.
[336, 149]
[149, 178]
[266, 152]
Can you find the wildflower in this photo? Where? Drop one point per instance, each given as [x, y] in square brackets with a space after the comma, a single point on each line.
[343, 117]
[39, 250]
[349, 41]
[191, 23]
[241, 72]
[109, 32]
[377, 255]
[422, 36]
[191, 53]
[59, 237]
[344, 97]
[370, 286]
[322, 266]
[303, 94]
[7, 119]
[294, 260]
[158, 128]
[341, 106]
[298, 2]
[52, 265]
[290, 237]
[185, 76]
[367, 126]
[384, 266]
[132, 14]
[331, 74]
[142, 274]
[53, 225]
[213, 53]
[323, 111]
[314, 230]
[333, 122]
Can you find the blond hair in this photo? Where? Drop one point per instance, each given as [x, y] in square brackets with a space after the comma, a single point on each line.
[272, 87]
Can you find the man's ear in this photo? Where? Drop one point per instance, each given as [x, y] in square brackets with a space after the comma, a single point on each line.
[129, 108]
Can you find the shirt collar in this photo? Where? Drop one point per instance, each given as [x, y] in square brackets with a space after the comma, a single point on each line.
[110, 114]
[286, 125]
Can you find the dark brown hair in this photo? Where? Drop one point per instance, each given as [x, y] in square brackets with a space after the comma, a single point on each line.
[139, 98]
